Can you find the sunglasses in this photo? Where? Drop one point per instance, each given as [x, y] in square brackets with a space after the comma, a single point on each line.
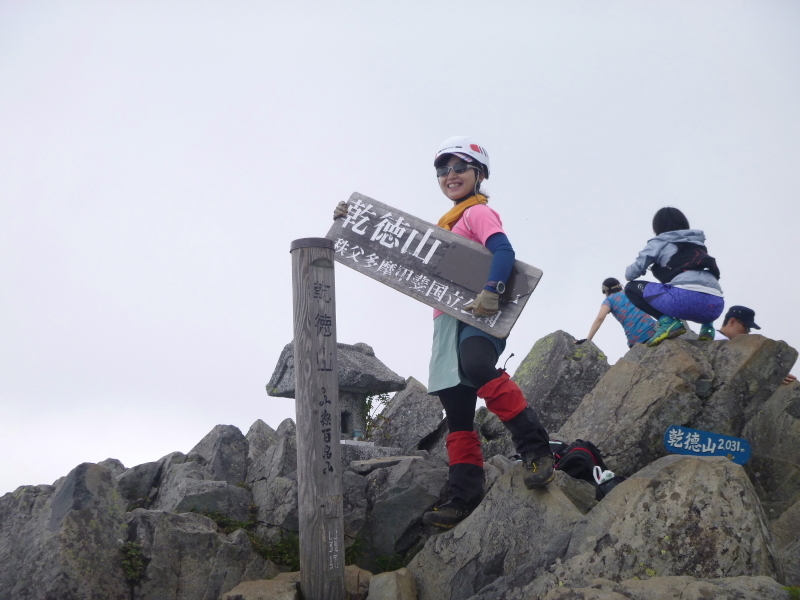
[458, 169]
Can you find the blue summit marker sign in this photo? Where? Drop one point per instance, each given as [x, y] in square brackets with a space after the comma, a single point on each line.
[682, 440]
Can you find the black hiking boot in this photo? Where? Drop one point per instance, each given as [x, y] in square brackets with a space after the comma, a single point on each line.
[528, 434]
[448, 515]
[538, 471]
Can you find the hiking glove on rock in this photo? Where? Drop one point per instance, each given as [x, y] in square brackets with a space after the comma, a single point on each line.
[485, 305]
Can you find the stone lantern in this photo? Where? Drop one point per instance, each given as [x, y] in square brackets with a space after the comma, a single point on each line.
[361, 375]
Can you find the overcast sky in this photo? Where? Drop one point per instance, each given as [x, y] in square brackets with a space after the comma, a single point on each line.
[157, 159]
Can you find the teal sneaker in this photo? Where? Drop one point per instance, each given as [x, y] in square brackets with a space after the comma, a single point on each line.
[707, 332]
[667, 328]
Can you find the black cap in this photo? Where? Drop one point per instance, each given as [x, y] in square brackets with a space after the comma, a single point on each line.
[611, 283]
[744, 315]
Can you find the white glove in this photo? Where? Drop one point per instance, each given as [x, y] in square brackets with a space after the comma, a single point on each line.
[340, 210]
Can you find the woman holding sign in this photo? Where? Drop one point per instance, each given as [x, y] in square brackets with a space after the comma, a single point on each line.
[463, 363]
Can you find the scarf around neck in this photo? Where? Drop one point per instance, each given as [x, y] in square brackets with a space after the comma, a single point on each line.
[452, 216]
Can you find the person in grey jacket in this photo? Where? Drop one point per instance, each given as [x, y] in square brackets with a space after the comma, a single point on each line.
[689, 278]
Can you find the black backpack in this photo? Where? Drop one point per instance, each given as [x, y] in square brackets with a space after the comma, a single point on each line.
[578, 460]
[688, 257]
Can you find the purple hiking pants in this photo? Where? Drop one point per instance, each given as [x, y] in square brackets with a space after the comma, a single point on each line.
[684, 304]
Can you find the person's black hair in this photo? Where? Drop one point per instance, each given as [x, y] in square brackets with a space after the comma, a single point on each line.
[669, 219]
[612, 284]
[727, 320]
[480, 169]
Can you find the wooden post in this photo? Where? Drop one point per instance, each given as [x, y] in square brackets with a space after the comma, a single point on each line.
[319, 464]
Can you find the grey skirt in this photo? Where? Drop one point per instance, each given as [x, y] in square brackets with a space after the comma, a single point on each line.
[448, 333]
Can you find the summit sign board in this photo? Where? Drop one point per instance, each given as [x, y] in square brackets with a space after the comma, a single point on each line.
[428, 263]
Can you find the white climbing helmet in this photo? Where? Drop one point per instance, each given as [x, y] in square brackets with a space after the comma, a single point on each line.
[465, 148]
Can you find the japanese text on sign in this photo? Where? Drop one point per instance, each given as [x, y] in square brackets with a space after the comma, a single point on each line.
[682, 440]
[704, 444]
[333, 550]
[324, 325]
[390, 232]
[323, 322]
[322, 291]
[326, 426]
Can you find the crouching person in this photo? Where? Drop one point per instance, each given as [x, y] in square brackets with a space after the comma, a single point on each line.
[689, 279]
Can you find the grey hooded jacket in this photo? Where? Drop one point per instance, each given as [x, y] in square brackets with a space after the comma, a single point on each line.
[661, 248]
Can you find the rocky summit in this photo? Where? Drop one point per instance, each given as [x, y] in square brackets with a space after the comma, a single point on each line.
[221, 521]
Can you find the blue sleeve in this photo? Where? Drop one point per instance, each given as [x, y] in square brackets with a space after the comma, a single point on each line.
[503, 259]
